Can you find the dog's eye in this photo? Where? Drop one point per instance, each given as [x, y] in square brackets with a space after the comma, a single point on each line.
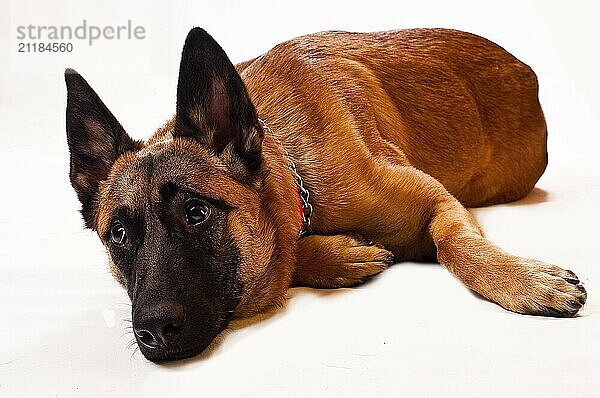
[118, 236]
[196, 211]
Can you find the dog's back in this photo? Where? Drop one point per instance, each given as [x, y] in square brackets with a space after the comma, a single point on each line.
[450, 103]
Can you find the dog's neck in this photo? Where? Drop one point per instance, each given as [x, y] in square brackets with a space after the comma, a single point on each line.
[282, 221]
[305, 208]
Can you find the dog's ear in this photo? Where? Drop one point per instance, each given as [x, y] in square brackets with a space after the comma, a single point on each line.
[95, 138]
[213, 105]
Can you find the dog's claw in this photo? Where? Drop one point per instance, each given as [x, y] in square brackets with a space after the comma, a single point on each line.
[571, 277]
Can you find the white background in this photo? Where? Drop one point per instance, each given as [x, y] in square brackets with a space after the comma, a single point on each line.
[414, 331]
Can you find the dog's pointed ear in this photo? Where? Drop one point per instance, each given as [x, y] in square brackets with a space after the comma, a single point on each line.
[96, 140]
[213, 105]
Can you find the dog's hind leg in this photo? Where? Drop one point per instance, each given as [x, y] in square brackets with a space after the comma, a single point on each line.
[338, 261]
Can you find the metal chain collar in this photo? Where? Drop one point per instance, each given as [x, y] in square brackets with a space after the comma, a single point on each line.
[307, 209]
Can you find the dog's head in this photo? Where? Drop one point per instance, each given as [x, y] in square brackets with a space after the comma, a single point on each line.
[187, 217]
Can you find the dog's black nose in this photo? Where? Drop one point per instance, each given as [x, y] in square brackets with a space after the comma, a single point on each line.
[159, 326]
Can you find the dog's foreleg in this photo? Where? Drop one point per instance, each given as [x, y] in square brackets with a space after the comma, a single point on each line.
[412, 203]
[518, 284]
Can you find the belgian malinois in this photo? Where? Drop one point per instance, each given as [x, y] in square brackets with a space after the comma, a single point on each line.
[283, 170]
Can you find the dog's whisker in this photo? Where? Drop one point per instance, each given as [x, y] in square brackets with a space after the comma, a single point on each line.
[131, 344]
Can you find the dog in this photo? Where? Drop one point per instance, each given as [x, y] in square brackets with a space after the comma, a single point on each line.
[318, 163]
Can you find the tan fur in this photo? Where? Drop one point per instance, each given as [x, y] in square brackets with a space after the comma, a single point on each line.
[386, 127]
[393, 133]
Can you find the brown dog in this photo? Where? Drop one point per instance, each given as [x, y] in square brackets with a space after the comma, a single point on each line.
[391, 134]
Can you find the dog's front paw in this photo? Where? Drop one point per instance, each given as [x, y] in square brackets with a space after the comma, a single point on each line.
[537, 288]
[339, 261]
[356, 260]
